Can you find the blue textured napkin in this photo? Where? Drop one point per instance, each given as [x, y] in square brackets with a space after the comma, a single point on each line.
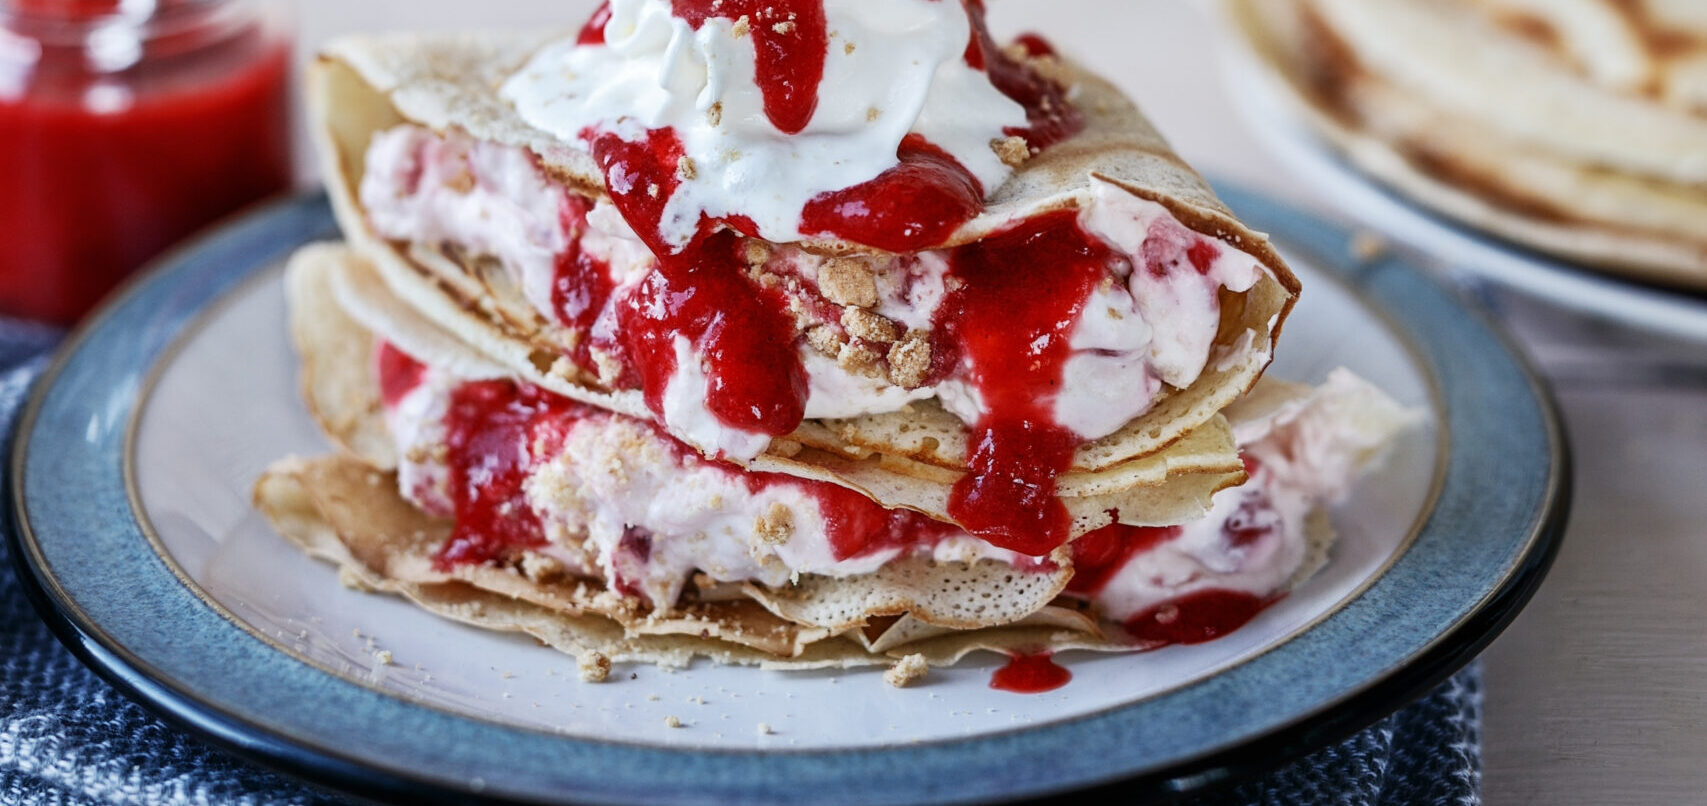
[66, 737]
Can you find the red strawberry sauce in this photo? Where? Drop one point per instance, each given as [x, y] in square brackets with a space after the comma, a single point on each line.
[1030, 673]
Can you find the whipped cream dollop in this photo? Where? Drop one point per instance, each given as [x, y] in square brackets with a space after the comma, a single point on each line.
[890, 68]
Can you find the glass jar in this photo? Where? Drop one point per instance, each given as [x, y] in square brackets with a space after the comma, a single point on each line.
[126, 125]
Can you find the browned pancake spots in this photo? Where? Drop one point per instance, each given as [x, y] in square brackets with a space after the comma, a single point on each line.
[1661, 43]
[1531, 27]
[1329, 66]
[1444, 169]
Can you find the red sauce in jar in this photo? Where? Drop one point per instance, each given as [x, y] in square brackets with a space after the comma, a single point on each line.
[104, 169]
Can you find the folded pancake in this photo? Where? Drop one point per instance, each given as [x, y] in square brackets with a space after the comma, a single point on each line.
[1169, 486]
[498, 504]
[1578, 127]
[1173, 311]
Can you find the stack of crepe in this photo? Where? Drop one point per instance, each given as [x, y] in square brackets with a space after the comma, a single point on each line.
[1575, 127]
[1161, 468]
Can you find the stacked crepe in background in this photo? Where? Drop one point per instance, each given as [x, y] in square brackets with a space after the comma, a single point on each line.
[660, 527]
[1575, 127]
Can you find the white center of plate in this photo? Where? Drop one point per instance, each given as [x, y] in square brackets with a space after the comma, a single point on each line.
[226, 405]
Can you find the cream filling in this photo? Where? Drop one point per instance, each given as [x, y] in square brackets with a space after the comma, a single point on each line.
[1138, 332]
[618, 497]
[616, 485]
[1201, 557]
[1310, 453]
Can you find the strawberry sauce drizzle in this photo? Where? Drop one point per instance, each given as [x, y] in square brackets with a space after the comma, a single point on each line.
[1099, 555]
[399, 373]
[580, 284]
[1010, 321]
[1200, 615]
[912, 206]
[740, 331]
[1034, 45]
[498, 431]
[1050, 117]
[493, 430]
[593, 33]
[790, 39]
[857, 526]
[1030, 673]
[923, 200]
[1197, 617]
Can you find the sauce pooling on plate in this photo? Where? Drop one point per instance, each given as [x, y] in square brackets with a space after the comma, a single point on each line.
[1030, 673]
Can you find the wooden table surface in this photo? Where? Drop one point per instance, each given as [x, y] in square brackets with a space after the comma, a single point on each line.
[1597, 694]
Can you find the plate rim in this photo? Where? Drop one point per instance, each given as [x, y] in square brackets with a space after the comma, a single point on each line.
[1336, 718]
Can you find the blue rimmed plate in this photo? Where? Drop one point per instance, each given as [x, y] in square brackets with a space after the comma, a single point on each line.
[131, 483]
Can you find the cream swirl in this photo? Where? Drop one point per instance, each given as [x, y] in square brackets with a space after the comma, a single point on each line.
[890, 68]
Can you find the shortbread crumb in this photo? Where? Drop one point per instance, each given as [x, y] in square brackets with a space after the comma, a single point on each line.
[863, 324]
[776, 525]
[907, 670]
[1013, 151]
[846, 281]
[594, 667]
[910, 360]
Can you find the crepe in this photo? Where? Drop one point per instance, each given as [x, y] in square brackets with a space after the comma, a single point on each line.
[346, 509]
[1576, 127]
[906, 459]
